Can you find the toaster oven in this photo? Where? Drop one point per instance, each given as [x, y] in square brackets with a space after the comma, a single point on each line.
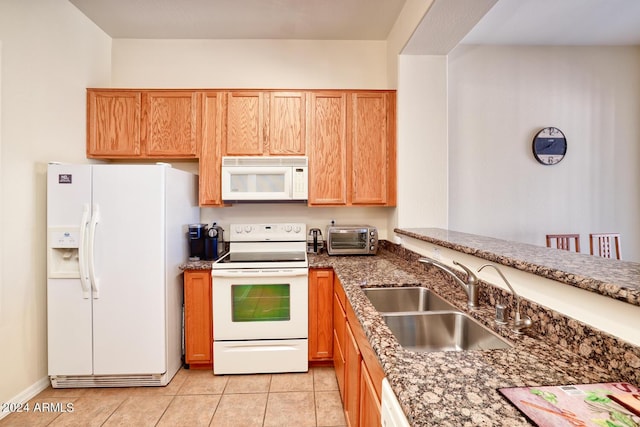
[351, 240]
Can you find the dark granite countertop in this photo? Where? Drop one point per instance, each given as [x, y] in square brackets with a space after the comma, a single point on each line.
[196, 265]
[614, 278]
[460, 388]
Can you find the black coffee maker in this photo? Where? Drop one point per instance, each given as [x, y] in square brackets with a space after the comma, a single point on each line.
[214, 246]
[196, 241]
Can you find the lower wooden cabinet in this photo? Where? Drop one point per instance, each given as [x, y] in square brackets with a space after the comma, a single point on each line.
[353, 361]
[339, 326]
[358, 370]
[198, 319]
[320, 314]
[370, 403]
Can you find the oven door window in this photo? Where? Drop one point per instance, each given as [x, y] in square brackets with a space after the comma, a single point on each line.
[258, 303]
[349, 240]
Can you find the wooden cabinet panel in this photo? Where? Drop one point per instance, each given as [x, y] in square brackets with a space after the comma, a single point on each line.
[352, 148]
[370, 405]
[328, 148]
[353, 360]
[113, 124]
[369, 149]
[198, 318]
[245, 123]
[339, 364]
[211, 149]
[339, 334]
[320, 314]
[368, 355]
[287, 123]
[131, 124]
[358, 370]
[170, 123]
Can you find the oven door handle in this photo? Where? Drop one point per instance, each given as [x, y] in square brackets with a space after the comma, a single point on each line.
[261, 273]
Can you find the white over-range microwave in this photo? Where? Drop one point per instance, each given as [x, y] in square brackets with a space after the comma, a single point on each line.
[264, 179]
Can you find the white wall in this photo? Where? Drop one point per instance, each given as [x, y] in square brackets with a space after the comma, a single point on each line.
[422, 136]
[499, 97]
[288, 64]
[408, 20]
[50, 54]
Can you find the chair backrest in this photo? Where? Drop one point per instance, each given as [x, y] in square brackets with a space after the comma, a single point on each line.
[563, 241]
[606, 244]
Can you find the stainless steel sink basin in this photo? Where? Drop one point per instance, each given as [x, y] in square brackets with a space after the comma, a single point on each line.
[446, 331]
[392, 300]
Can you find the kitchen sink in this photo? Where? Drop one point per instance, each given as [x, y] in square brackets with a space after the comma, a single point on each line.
[392, 300]
[444, 331]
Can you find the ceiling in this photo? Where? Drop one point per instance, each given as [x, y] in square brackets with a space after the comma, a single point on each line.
[447, 23]
[244, 19]
[559, 22]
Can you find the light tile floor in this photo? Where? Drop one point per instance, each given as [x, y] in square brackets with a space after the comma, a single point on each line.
[196, 398]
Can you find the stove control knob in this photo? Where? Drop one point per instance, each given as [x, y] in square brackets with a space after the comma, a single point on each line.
[238, 229]
[247, 228]
[287, 228]
[296, 229]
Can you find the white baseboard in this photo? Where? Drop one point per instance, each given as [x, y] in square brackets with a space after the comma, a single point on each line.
[28, 393]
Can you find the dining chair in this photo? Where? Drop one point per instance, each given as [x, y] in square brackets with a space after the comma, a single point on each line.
[563, 241]
[606, 243]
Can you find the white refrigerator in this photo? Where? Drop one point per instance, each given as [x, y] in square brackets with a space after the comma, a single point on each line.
[116, 235]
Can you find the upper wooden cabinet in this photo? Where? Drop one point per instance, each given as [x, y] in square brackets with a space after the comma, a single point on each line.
[142, 124]
[113, 123]
[170, 123]
[328, 148]
[265, 123]
[352, 148]
[287, 123]
[372, 143]
[246, 123]
[210, 193]
[348, 135]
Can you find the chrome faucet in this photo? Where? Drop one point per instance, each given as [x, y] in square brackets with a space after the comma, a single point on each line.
[519, 323]
[470, 287]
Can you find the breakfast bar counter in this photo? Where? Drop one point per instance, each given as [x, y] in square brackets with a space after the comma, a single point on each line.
[610, 277]
[460, 388]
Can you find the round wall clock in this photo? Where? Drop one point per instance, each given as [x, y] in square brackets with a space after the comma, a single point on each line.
[549, 146]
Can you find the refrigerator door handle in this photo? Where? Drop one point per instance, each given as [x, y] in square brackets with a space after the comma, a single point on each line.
[82, 252]
[95, 218]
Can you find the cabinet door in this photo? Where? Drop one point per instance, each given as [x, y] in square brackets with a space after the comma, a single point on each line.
[353, 361]
[211, 149]
[245, 130]
[113, 124]
[170, 123]
[369, 148]
[370, 406]
[320, 314]
[198, 318]
[328, 148]
[287, 123]
[339, 326]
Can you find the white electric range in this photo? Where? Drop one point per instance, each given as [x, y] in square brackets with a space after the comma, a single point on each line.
[260, 300]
